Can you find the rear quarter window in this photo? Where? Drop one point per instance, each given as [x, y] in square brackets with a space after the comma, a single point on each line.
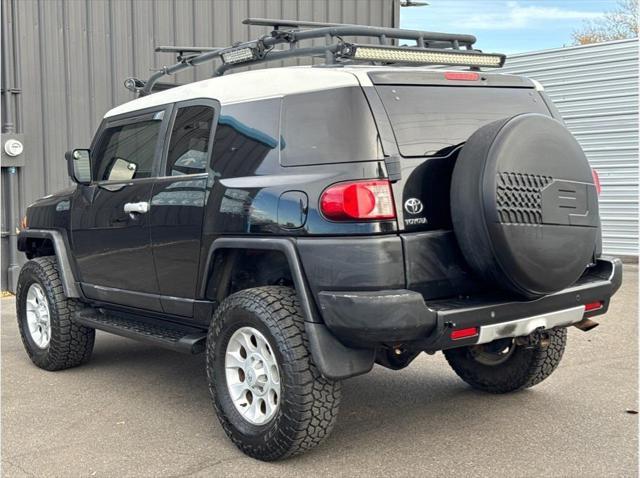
[329, 126]
[433, 120]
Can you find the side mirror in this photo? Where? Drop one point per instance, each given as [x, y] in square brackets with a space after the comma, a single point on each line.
[79, 166]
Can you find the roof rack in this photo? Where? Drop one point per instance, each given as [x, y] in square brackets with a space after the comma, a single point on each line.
[430, 48]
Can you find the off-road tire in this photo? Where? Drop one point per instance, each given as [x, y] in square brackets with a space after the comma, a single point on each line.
[525, 367]
[71, 344]
[309, 403]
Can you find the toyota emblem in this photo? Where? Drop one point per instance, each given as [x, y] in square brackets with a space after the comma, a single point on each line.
[413, 206]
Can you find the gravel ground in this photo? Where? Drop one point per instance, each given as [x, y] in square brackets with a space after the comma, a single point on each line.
[136, 410]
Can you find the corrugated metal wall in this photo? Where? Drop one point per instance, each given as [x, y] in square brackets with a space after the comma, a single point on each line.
[72, 56]
[595, 87]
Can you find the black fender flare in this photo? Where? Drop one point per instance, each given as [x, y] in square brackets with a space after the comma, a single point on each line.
[334, 360]
[69, 283]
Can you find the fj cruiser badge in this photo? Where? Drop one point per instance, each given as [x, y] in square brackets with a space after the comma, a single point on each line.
[413, 206]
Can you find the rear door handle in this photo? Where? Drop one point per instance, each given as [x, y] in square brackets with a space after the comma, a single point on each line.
[136, 207]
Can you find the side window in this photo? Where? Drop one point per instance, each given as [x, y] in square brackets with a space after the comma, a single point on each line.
[247, 138]
[331, 126]
[189, 145]
[128, 151]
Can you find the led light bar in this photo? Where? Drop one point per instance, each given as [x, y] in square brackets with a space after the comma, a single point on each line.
[239, 55]
[423, 56]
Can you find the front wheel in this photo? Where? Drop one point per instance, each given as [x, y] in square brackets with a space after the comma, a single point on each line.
[50, 337]
[267, 392]
[505, 366]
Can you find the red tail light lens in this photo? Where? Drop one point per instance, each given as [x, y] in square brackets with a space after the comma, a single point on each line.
[464, 333]
[358, 200]
[596, 181]
[462, 75]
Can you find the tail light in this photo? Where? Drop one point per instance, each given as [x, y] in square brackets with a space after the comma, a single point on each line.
[596, 181]
[358, 200]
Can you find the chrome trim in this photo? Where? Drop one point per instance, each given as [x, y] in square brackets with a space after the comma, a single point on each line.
[522, 327]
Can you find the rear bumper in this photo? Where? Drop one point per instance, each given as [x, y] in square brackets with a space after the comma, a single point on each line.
[401, 316]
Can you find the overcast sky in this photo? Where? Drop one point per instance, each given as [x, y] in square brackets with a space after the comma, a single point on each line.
[507, 26]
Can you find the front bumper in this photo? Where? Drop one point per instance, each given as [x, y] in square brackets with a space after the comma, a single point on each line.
[394, 317]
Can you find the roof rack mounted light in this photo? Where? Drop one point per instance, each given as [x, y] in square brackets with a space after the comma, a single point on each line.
[422, 56]
[430, 48]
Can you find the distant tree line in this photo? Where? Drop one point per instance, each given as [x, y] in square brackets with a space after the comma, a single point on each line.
[617, 24]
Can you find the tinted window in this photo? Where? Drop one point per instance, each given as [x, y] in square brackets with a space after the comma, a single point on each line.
[330, 126]
[432, 120]
[246, 140]
[189, 145]
[128, 151]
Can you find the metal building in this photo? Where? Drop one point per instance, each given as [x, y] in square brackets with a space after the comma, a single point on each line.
[64, 61]
[595, 87]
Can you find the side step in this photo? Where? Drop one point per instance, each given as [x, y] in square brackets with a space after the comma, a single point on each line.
[173, 336]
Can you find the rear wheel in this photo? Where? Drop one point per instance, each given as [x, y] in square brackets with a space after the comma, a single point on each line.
[267, 392]
[50, 337]
[505, 366]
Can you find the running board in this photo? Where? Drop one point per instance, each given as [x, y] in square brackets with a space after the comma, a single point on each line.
[172, 336]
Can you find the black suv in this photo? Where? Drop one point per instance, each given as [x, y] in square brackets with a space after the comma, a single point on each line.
[298, 225]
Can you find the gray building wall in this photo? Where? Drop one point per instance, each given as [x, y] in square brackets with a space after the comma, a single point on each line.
[595, 87]
[68, 59]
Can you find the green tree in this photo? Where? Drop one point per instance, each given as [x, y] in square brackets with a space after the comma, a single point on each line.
[618, 24]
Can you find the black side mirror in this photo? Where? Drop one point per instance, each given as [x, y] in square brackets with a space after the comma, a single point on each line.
[79, 166]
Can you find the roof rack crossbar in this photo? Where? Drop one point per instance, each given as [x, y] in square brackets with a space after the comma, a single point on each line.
[186, 49]
[396, 33]
[425, 51]
[364, 30]
[268, 22]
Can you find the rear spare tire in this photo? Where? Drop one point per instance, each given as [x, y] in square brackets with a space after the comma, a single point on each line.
[524, 205]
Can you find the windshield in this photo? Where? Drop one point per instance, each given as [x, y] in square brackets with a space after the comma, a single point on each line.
[433, 120]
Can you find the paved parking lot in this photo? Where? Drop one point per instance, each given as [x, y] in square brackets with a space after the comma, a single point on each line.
[136, 410]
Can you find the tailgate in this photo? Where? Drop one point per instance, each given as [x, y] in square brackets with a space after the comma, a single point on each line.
[431, 118]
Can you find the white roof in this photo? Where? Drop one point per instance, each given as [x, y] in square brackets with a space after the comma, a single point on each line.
[247, 86]
[261, 84]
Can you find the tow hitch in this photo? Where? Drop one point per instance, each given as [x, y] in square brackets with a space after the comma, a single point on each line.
[538, 338]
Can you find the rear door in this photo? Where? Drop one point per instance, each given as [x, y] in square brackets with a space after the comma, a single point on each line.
[110, 218]
[431, 118]
[178, 202]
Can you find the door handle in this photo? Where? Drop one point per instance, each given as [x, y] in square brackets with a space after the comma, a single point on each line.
[136, 207]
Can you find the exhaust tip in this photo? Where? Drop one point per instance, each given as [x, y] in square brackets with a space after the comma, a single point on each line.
[586, 325]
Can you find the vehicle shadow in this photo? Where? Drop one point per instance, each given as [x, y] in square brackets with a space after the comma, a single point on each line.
[415, 405]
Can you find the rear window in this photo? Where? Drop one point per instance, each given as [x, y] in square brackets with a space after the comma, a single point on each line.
[433, 120]
[329, 126]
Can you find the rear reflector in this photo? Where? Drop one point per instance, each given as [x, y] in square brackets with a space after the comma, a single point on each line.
[462, 76]
[358, 200]
[464, 333]
[593, 306]
[596, 181]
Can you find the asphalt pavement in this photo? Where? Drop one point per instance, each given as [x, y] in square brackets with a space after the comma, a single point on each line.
[137, 410]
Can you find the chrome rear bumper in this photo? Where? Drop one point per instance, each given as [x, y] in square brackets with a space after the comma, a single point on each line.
[522, 327]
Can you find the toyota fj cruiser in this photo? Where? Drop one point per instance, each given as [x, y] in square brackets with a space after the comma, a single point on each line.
[298, 225]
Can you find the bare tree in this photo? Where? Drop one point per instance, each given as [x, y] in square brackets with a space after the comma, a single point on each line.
[618, 24]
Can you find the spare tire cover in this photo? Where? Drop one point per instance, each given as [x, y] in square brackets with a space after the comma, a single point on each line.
[524, 205]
